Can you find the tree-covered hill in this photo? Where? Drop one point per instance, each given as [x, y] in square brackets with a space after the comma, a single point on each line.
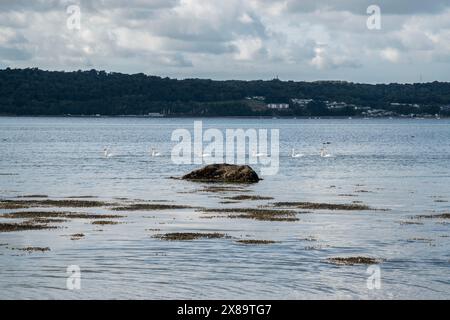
[38, 92]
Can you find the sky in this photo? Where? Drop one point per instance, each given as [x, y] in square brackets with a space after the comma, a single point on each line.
[301, 40]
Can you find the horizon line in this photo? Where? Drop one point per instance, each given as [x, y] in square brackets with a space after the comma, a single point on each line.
[276, 78]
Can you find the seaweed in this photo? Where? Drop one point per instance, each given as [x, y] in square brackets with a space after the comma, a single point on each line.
[149, 207]
[323, 206]
[103, 222]
[257, 214]
[76, 236]
[349, 261]
[18, 204]
[189, 236]
[248, 197]
[256, 242]
[33, 249]
[55, 214]
[47, 220]
[434, 216]
[24, 226]
[220, 189]
[410, 223]
[5, 204]
[33, 196]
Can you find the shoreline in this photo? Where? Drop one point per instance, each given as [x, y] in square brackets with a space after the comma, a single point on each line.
[229, 117]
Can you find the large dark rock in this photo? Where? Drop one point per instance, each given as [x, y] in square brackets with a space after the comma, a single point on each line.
[224, 173]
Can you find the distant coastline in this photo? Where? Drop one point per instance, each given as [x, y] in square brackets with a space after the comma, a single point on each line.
[34, 92]
[431, 117]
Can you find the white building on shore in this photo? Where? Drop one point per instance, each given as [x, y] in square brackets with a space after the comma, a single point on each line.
[278, 106]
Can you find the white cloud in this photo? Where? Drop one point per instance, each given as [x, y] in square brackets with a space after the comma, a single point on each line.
[248, 48]
[245, 19]
[325, 59]
[390, 54]
[302, 40]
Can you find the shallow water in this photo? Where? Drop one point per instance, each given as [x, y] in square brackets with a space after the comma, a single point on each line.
[400, 165]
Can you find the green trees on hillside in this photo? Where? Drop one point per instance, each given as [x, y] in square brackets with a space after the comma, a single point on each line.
[38, 92]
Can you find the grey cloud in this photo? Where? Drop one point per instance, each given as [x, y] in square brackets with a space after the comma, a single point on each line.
[360, 6]
[249, 39]
[35, 6]
[14, 54]
[48, 5]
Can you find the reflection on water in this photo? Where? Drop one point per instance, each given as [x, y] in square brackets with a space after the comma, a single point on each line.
[401, 165]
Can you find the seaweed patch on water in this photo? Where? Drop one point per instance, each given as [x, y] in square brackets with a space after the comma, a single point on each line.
[410, 223]
[77, 236]
[221, 189]
[33, 249]
[82, 197]
[33, 196]
[55, 214]
[423, 240]
[324, 206]
[8, 205]
[434, 216]
[256, 242]
[104, 222]
[18, 204]
[256, 214]
[248, 197]
[150, 207]
[189, 236]
[47, 220]
[24, 226]
[349, 261]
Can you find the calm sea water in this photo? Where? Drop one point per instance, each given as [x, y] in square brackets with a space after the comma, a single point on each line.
[401, 165]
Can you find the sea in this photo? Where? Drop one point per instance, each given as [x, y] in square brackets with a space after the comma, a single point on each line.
[400, 168]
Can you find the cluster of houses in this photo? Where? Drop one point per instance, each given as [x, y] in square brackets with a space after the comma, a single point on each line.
[445, 109]
[303, 103]
[335, 105]
[278, 106]
[300, 103]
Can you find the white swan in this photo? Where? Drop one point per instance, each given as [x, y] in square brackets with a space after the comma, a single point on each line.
[204, 155]
[155, 153]
[107, 153]
[295, 155]
[259, 154]
[324, 153]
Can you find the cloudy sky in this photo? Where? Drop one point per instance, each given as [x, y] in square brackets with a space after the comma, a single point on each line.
[246, 39]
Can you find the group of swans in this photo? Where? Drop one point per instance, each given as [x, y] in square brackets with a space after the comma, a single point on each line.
[323, 153]
[108, 154]
[154, 153]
